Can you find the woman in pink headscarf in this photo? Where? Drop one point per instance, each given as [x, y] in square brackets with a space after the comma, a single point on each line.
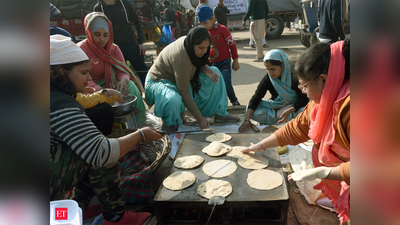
[324, 75]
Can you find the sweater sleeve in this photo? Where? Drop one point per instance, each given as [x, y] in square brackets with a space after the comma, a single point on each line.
[266, 10]
[295, 131]
[183, 84]
[337, 19]
[302, 98]
[81, 135]
[118, 55]
[345, 172]
[91, 100]
[260, 92]
[133, 17]
[250, 10]
[227, 10]
[230, 42]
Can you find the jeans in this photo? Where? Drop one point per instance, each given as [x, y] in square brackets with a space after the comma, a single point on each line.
[225, 69]
[131, 53]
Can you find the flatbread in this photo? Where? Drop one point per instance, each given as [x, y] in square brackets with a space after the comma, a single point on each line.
[220, 137]
[236, 152]
[216, 149]
[179, 180]
[219, 168]
[253, 162]
[264, 179]
[188, 162]
[213, 188]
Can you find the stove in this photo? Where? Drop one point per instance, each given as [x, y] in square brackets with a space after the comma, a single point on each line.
[244, 205]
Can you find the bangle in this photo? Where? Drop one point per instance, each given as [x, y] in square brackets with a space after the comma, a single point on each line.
[108, 93]
[259, 145]
[245, 119]
[144, 138]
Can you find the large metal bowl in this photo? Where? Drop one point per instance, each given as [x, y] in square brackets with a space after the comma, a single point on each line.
[125, 107]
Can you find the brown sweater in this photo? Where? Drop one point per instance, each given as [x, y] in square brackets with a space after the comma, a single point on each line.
[296, 131]
[174, 64]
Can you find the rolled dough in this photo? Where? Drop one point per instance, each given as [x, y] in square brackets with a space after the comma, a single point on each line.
[219, 168]
[214, 187]
[188, 162]
[264, 179]
[179, 180]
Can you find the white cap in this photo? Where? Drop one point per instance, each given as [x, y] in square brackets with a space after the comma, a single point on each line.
[64, 51]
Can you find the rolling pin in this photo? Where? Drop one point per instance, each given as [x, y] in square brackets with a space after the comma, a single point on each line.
[253, 127]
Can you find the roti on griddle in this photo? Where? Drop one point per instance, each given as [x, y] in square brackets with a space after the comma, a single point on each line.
[214, 187]
[264, 179]
[253, 162]
[188, 162]
[179, 180]
[220, 137]
[216, 149]
[219, 168]
[236, 152]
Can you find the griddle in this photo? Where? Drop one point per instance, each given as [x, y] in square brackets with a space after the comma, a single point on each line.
[242, 195]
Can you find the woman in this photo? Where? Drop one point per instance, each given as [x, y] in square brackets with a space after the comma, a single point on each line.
[324, 75]
[181, 77]
[80, 156]
[108, 64]
[286, 102]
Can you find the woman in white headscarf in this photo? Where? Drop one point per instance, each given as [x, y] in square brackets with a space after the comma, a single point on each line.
[80, 156]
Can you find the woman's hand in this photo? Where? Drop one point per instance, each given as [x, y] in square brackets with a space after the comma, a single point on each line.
[123, 84]
[245, 126]
[214, 77]
[310, 174]
[252, 148]
[235, 65]
[117, 94]
[285, 115]
[89, 90]
[150, 134]
[203, 123]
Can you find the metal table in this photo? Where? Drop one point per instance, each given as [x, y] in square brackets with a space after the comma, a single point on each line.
[242, 195]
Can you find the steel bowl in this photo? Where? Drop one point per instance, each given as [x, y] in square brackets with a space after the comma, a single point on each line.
[125, 107]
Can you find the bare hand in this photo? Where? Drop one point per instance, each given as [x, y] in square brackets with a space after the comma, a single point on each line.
[214, 77]
[203, 123]
[235, 65]
[150, 134]
[285, 115]
[89, 90]
[123, 86]
[142, 49]
[116, 94]
[245, 126]
[252, 147]
[244, 23]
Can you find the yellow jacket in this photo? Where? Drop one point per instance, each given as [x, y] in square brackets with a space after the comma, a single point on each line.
[91, 100]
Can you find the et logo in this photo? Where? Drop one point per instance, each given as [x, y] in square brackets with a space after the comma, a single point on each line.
[61, 213]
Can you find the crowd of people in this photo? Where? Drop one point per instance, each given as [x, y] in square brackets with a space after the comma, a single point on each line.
[311, 95]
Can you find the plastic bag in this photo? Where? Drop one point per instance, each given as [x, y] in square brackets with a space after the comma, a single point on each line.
[168, 34]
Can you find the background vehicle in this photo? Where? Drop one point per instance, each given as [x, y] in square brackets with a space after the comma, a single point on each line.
[280, 11]
[308, 25]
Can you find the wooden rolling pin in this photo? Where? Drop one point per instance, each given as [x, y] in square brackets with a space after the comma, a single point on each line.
[253, 127]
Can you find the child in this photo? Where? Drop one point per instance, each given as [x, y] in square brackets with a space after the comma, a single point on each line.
[222, 48]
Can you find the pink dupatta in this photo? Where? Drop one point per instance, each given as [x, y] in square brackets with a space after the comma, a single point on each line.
[322, 131]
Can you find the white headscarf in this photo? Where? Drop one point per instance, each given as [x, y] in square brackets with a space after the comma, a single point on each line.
[64, 51]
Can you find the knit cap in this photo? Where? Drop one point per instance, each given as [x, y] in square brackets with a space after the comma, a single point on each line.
[204, 13]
